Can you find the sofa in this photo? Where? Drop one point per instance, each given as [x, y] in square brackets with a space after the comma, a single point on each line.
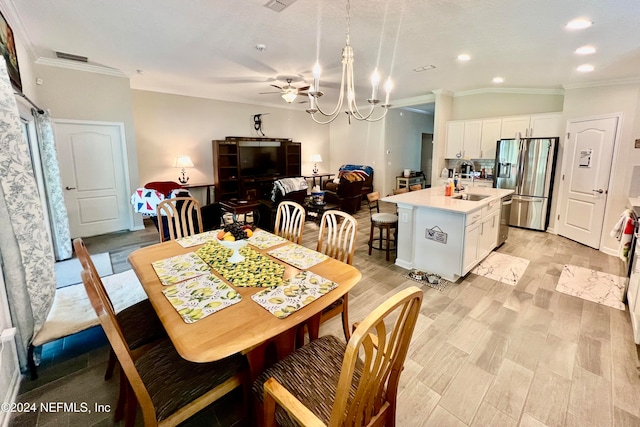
[291, 189]
[365, 172]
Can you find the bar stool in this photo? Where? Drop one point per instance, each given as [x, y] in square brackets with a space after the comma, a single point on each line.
[383, 221]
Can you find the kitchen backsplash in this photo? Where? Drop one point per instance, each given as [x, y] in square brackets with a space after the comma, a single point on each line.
[487, 164]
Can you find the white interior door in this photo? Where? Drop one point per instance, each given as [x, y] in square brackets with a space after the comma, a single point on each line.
[93, 171]
[586, 171]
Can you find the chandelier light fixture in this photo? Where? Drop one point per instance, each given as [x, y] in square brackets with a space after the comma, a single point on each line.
[347, 85]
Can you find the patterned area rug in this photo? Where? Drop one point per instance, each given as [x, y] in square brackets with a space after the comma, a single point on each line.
[591, 285]
[505, 268]
[68, 272]
[430, 279]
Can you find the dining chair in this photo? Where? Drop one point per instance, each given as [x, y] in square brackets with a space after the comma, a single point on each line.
[183, 218]
[290, 221]
[383, 221]
[337, 238]
[168, 388]
[330, 383]
[139, 323]
[400, 190]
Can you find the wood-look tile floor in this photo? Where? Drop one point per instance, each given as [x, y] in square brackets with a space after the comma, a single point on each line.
[484, 353]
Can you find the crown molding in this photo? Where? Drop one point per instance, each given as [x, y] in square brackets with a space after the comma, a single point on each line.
[416, 100]
[518, 91]
[442, 92]
[81, 66]
[630, 80]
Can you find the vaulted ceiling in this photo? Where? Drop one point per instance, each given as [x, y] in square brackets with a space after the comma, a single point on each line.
[207, 48]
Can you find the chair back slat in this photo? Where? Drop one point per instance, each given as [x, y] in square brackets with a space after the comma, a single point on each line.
[290, 221]
[372, 202]
[87, 263]
[337, 236]
[380, 349]
[107, 317]
[183, 217]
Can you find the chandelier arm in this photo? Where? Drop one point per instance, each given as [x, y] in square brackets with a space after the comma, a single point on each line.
[336, 110]
[321, 122]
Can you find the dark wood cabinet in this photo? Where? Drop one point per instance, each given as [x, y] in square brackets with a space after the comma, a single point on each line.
[246, 167]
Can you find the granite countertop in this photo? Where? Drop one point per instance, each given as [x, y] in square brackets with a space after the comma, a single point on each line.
[434, 198]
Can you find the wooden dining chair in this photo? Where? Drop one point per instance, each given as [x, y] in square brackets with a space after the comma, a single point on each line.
[383, 221]
[139, 323]
[330, 383]
[183, 218]
[290, 221]
[400, 190]
[337, 238]
[168, 388]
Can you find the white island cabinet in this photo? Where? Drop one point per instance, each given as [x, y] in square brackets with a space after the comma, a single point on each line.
[447, 235]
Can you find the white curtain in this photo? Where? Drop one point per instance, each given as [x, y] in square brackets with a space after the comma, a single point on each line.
[53, 185]
[24, 242]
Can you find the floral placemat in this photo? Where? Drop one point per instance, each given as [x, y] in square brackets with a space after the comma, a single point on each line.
[298, 256]
[197, 239]
[196, 298]
[257, 270]
[296, 292]
[263, 239]
[180, 267]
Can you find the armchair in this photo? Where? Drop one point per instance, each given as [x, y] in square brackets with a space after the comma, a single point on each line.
[347, 194]
[365, 172]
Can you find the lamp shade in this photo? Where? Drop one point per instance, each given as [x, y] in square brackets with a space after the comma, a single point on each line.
[316, 158]
[183, 162]
[289, 97]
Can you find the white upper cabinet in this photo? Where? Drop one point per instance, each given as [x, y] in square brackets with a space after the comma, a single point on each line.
[511, 126]
[490, 135]
[537, 125]
[463, 139]
[546, 125]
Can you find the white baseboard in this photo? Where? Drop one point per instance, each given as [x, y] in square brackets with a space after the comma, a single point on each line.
[137, 228]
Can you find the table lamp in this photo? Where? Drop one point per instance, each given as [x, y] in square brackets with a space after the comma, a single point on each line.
[316, 158]
[183, 162]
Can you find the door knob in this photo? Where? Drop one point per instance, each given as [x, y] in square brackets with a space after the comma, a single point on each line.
[69, 188]
[599, 191]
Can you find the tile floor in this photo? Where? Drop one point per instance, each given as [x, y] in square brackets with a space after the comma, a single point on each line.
[484, 353]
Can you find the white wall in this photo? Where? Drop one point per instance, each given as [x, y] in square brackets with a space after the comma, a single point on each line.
[596, 101]
[476, 106]
[167, 125]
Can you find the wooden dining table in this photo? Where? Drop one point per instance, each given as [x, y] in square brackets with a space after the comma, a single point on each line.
[245, 327]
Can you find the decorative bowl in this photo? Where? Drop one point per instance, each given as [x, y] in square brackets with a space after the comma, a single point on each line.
[236, 246]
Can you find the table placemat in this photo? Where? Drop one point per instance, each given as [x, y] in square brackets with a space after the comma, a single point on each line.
[295, 292]
[197, 239]
[263, 239]
[180, 267]
[298, 256]
[257, 270]
[198, 297]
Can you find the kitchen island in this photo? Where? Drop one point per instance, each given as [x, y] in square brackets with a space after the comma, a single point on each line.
[447, 235]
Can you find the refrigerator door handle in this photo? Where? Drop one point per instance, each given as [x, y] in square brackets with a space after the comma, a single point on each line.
[520, 173]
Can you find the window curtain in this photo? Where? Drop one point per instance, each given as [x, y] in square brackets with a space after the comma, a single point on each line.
[24, 242]
[53, 186]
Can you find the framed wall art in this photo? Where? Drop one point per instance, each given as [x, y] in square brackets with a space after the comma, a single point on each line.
[8, 49]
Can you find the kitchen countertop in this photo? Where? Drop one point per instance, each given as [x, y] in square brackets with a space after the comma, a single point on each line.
[434, 198]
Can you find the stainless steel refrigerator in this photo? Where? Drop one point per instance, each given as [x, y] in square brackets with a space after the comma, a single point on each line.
[527, 166]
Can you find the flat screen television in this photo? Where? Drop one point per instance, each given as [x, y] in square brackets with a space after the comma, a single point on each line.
[261, 159]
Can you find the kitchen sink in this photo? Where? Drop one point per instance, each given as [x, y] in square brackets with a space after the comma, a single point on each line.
[469, 196]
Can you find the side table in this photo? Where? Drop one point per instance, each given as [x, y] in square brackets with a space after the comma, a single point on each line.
[319, 176]
[242, 207]
[314, 212]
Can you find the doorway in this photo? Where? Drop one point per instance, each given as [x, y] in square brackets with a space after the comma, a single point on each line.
[94, 174]
[426, 157]
[586, 170]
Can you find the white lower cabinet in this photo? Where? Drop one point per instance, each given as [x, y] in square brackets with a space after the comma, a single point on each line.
[488, 234]
[481, 235]
[471, 241]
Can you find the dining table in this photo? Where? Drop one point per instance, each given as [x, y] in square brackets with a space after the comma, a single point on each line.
[244, 327]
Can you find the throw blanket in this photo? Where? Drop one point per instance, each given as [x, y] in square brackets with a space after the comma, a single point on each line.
[287, 185]
[623, 232]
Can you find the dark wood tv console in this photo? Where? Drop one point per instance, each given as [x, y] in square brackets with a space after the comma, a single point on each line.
[230, 181]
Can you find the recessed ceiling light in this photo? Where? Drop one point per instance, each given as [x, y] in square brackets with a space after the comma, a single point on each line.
[578, 24]
[463, 57]
[585, 50]
[585, 68]
[498, 80]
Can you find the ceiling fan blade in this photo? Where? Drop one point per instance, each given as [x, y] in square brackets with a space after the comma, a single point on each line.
[300, 89]
[266, 93]
[276, 86]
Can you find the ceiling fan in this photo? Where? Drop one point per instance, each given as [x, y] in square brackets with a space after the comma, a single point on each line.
[288, 92]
